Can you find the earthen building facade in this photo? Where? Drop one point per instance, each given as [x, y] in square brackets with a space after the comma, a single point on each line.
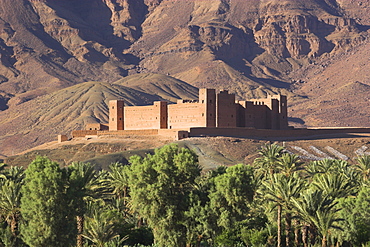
[213, 110]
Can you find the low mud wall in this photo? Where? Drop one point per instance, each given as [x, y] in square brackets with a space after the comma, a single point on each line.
[83, 133]
[267, 133]
[149, 132]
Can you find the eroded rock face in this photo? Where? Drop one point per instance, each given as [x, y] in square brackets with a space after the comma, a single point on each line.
[74, 41]
[250, 47]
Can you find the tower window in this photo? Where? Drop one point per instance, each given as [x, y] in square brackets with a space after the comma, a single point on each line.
[112, 119]
[112, 107]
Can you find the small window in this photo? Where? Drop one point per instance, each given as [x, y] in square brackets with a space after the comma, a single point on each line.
[112, 107]
[120, 119]
[210, 101]
[210, 114]
[202, 114]
[112, 119]
[202, 101]
[232, 116]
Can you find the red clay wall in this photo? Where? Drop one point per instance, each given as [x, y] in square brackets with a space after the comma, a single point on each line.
[208, 97]
[116, 120]
[226, 110]
[83, 133]
[169, 133]
[146, 117]
[268, 133]
[97, 126]
[186, 115]
[148, 132]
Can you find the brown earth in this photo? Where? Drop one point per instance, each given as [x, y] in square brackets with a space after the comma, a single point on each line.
[314, 51]
[212, 151]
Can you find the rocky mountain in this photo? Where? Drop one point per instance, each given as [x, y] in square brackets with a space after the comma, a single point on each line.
[314, 51]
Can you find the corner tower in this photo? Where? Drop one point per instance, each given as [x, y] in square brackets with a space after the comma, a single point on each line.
[116, 116]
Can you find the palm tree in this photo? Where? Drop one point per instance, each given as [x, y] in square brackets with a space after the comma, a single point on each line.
[101, 229]
[15, 173]
[10, 200]
[2, 170]
[10, 196]
[280, 190]
[270, 154]
[319, 213]
[289, 163]
[363, 165]
[118, 178]
[83, 185]
[334, 185]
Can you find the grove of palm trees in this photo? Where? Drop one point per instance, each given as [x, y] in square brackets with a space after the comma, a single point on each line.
[166, 200]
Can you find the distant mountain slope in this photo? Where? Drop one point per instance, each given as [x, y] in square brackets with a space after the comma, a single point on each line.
[247, 47]
[250, 47]
[337, 90]
[42, 119]
[164, 86]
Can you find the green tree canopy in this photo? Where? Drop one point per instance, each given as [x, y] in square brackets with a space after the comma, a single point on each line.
[43, 206]
[160, 186]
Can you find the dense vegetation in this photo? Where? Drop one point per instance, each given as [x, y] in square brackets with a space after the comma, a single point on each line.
[165, 199]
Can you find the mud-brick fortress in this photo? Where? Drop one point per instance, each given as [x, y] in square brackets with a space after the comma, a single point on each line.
[211, 110]
[213, 114]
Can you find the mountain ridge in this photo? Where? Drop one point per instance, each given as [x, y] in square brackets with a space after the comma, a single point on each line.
[305, 49]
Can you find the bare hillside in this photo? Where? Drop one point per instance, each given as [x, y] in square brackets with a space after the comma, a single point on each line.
[314, 51]
[41, 120]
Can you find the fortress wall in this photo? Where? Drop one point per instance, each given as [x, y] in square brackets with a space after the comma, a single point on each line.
[97, 126]
[148, 132]
[174, 134]
[208, 98]
[211, 110]
[116, 119]
[241, 118]
[226, 110]
[283, 111]
[83, 133]
[186, 115]
[268, 133]
[146, 117]
[257, 116]
[275, 115]
[169, 133]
